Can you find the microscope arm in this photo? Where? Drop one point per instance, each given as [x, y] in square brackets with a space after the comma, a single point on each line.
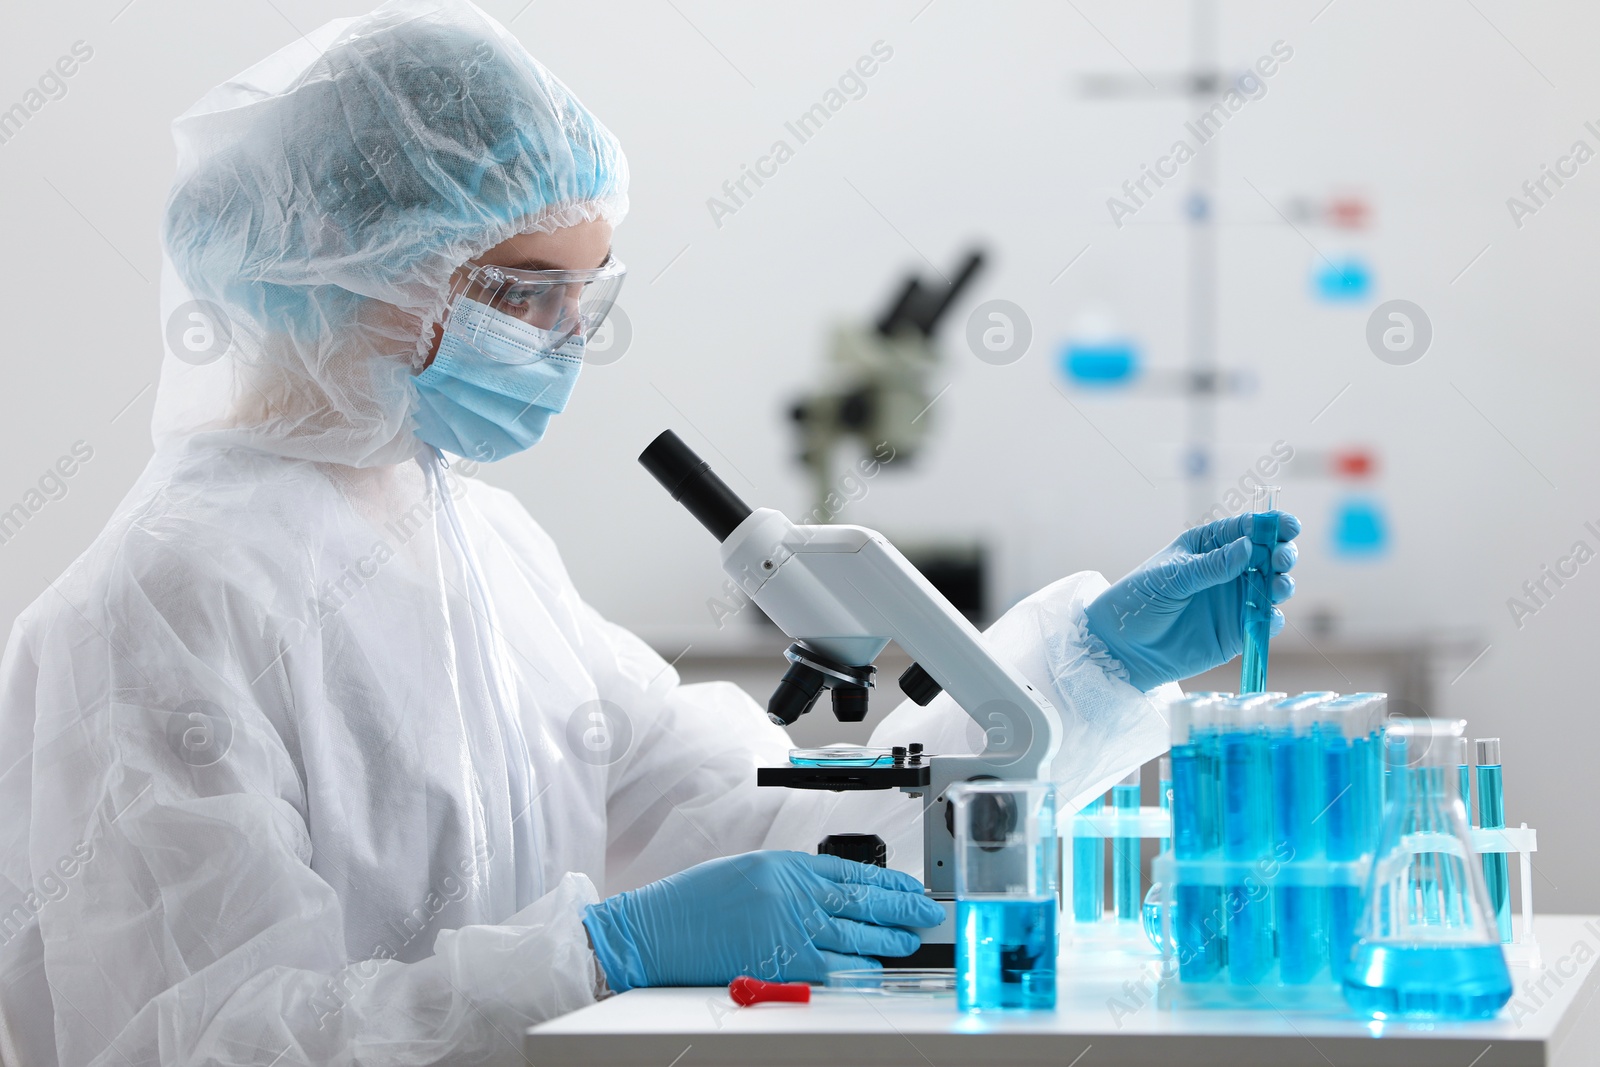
[846, 592]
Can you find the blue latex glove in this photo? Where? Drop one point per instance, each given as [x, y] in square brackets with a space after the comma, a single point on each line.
[779, 916]
[1180, 612]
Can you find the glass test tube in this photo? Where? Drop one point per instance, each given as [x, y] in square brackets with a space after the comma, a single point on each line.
[1246, 825]
[1089, 871]
[1299, 925]
[1196, 919]
[1464, 775]
[1341, 806]
[1258, 591]
[1125, 851]
[1492, 816]
[1374, 768]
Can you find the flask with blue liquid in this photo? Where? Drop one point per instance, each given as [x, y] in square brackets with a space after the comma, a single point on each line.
[1427, 945]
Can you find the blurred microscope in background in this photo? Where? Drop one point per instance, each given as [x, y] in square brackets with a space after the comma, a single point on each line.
[874, 406]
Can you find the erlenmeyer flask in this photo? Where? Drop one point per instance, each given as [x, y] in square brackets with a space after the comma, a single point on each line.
[1427, 945]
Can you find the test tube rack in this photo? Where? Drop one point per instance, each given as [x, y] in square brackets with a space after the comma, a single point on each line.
[1522, 950]
[1106, 826]
[1248, 922]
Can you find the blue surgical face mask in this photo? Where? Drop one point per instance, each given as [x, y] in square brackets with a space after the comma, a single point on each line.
[480, 399]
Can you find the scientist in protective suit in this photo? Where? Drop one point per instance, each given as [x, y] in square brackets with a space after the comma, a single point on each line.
[290, 770]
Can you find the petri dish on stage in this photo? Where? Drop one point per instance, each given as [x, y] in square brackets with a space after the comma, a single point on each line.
[894, 982]
[841, 756]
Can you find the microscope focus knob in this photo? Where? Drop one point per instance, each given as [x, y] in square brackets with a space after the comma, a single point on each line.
[919, 685]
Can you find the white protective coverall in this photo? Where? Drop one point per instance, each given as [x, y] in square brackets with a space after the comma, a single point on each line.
[292, 758]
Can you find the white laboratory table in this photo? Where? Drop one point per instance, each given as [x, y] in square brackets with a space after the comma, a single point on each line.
[1102, 1019]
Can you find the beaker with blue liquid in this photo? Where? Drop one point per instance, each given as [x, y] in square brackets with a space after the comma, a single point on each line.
[1007, 895]
[1427, 945]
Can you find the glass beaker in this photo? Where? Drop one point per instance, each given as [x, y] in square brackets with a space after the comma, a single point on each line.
[1007, 872]
[1426, 945]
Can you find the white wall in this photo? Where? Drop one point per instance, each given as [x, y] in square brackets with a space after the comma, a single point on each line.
[974, 129]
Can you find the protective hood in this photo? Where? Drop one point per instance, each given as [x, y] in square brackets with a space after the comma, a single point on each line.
[322, 200]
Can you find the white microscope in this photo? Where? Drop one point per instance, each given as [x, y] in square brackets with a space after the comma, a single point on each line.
[842, 593]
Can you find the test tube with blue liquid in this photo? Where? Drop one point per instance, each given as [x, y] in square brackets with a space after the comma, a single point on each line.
[1368, 751]
[1339, 724]
[1197, 912]
[1007, 895]
[1492, 816]
[1258, 591]
[1299, 909]
[1089, 871]
[1246, 826]
[1125, 850]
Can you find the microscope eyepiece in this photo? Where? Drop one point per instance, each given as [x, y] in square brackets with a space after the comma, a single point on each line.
[690, 481]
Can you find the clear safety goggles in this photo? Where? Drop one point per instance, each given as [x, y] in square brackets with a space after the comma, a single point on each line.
[556, 304]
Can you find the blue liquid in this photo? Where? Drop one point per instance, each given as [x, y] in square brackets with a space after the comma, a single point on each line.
[1342, 819]
[1089, 872]
[1496, 869]
[843, 761]
[1197, 909]
[1125, 856]
[1302, 942]
[1006, 954]
[1258, 603]
[1427, 981]
[1246, 815]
